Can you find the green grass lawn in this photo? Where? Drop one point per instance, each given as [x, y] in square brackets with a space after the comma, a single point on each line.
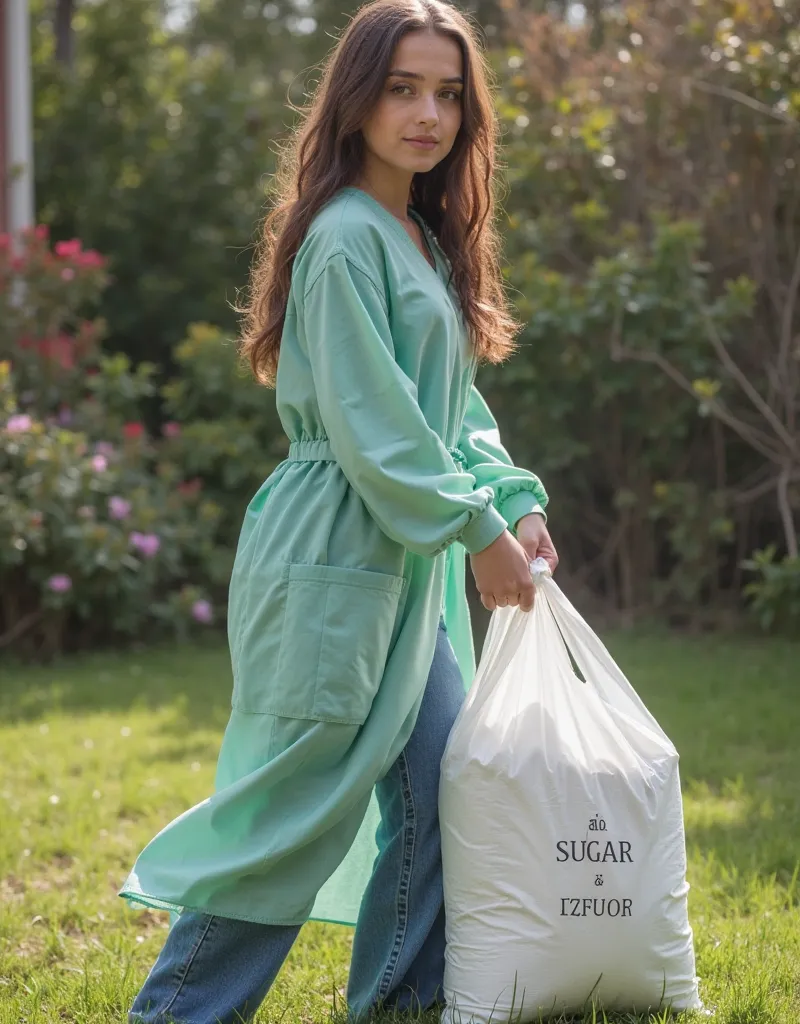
[98, 753]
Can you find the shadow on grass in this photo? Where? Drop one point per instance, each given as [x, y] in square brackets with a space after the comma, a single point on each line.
[194, 679]
[729, 704]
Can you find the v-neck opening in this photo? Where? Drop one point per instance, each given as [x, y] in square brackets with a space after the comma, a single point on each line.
[395, 224]
[427, 244]
[438, 255]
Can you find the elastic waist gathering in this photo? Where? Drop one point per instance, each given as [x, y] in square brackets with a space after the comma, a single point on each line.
[318, 449]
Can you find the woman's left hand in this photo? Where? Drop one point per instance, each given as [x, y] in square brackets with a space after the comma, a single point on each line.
[533, 536]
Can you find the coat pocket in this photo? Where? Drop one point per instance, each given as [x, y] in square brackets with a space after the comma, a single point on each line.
[337, 628]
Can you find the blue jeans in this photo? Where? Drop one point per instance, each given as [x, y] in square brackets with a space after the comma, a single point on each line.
[216, 970]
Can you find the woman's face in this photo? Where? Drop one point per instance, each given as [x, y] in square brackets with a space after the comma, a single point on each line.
[421, 96]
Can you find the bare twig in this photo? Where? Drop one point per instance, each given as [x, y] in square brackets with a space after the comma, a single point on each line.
[744, 99]
[718, 442]
[752, 393]
[790, 220]
[19, 628]
[787, 336]
[612, 542]
[790, 533]
[757, 439]
[759, 490]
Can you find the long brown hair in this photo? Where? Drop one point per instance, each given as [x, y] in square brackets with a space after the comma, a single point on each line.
[456, 198]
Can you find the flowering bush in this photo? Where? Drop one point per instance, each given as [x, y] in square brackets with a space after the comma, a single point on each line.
[43, 293]
[100, 535]
[91, 535]
[223, 429]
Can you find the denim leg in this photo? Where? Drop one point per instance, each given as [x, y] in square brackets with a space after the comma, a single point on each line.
[212, 970]
[398, 948]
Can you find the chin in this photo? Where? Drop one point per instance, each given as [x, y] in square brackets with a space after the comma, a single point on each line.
[422, 159]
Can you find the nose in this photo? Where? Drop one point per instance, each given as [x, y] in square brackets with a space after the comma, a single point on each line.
[427, 110]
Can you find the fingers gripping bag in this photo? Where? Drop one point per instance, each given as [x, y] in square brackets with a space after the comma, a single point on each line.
[562, 832]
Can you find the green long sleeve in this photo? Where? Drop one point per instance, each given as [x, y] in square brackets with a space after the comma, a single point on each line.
[517, 491]
[370, 412]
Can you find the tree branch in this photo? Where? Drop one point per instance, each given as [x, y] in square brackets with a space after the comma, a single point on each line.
[744, 99]
[787, 518]
[759, 490]
[63, 31]
[787, 335]
[738, 375]
[757, 440]
[20, 626]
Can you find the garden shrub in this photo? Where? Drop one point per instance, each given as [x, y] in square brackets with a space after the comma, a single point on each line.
[223, 428]
[101, 535]
[774, 592]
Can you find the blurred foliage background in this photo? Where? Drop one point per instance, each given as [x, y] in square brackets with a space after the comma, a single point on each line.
[651, 214]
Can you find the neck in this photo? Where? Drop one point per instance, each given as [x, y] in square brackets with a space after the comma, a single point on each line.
[391, 190]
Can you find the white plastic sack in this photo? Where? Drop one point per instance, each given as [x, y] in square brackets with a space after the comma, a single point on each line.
[562, 832]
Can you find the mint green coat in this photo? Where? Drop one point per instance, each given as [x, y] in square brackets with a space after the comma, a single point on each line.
[348, 554]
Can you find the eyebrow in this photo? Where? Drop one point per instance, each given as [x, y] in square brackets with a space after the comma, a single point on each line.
[397, 73]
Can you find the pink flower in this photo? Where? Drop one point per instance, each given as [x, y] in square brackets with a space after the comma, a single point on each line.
[99, 463]
[68, 249]
[202, 611]
[67, 274]
[58, 348]
[133, 430]
[19, 424]
[104, 448]
[171, 429]
[60, 583]
[146, 544]
[5, 242]
[119, 508]
[42, 232]
[86, 512]
[90, 258]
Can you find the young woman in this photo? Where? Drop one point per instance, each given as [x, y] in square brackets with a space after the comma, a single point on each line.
[348, 623]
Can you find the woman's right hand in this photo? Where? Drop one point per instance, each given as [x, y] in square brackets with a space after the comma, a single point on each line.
[502, 574]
